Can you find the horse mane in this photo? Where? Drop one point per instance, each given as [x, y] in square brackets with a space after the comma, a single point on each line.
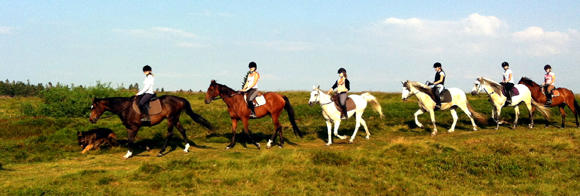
[494, 85]
[528, 81]
[225, 89]
[421, 87]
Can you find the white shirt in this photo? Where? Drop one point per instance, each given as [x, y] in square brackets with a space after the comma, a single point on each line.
[506, 76]
[147, 85]
[251, 80]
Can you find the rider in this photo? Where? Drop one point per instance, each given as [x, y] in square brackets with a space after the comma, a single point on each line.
[342, 86]
[508, 81]
[251, 87]
[438, 84]
[548, 84]
[146, 93]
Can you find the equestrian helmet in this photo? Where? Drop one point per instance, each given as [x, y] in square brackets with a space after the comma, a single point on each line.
[505, 64]
[437, 64]
[147, 68]
[547, 67]
[341, 70]
[253, 64]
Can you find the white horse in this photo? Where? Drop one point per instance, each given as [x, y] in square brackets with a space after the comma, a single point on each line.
[331, 114]
[497, 100]
[427, 104]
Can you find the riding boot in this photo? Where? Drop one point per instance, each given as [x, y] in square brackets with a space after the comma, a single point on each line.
[509, 98]
[344, 113]
[145, 113]
[252, 113]
[549, 98]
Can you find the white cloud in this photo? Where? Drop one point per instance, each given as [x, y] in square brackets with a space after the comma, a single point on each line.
[535, 41]
[6, 30]
[477, 24]
[157, 32]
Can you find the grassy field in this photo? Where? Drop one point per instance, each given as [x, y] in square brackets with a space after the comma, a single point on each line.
[40, 155]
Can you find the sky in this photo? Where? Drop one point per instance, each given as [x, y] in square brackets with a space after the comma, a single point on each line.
[296, 44]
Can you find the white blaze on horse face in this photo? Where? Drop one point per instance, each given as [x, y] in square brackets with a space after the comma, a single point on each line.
[313, 97]
[405, 93]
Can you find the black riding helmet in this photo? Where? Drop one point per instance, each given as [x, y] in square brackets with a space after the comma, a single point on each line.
[505, 64]
[341, 70]
[253, 64]
[547, 67]
[147, 68]
[437, 64]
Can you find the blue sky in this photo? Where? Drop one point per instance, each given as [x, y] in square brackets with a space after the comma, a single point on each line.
[296, 44]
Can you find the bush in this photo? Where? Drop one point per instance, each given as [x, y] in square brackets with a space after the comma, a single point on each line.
[73, 101]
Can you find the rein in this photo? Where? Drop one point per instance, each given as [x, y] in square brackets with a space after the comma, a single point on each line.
[319, 99]
[117, 113]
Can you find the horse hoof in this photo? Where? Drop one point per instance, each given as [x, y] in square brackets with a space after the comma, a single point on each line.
[125, 158]
[328, 144]
[258, 145]
[227, 147]
[159, 155]
[350, 142]
[367, 137]
[147, 148]
[268, 146]
[280, 146]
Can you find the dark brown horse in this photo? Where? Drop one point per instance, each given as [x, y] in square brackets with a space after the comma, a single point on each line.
[238, 110]
[172, 106]
[566, 98]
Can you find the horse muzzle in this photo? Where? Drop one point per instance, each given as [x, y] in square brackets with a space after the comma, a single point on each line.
[207, 101]
[93, 121]
[405, 99]
[474, 93]
[310, 103]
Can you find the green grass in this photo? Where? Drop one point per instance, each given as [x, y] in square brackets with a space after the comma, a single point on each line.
[40, 155]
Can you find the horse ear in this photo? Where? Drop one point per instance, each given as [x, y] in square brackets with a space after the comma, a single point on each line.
[212, 81]
[318, 87]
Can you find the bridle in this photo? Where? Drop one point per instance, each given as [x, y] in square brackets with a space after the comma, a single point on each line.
[318, 98]
[115, 113]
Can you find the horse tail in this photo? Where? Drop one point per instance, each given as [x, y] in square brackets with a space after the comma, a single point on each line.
[544, 110]
[195, 117]
[290, 111]
[576, 107]
[374, 103]
[478, 116]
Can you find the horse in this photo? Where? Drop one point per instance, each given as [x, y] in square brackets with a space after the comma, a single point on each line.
[426, 103]
[331, 113]
[498, 100]
[238, 110]
[566, 98]
[172, 106]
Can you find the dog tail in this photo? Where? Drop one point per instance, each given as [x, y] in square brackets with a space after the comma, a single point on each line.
[196, 117]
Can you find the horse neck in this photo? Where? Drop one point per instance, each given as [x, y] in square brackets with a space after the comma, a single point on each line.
[324, 98]
[535, 90]
[226, 94]
[421, 96]
[117, 104]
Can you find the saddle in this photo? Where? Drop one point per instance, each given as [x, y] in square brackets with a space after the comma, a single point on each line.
[445, 96]
[350, 105]
[154, 106]
[258, 101]
[555, 92]
[515, 91]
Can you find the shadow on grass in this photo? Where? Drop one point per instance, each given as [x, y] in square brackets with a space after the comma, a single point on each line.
[243, 140]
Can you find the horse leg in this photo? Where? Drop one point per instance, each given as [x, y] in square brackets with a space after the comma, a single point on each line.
[517, 110]
[233, 140]
[182, 131]
[329, 128]
[170, 125]
[419, 112]
[364, 124]
[531, 111]
[131, 133]
[281, 133]
[356, 127]
[336, 125]
[277, 128]
[454, 115]
[470, 115]
[497, 112]
[432, 114]
[246, 125]
[563, 113]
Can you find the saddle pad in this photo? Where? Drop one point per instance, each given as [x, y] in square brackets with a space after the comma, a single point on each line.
[555, 93]
[258, 101]
[154, 107]
[445, 96]
[350, 105]
[515, 91]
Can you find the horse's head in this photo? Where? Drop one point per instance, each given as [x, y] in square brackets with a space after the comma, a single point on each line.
[406, 93]
[476, 86]
[212, 92]
[97, 109]
[314, 96]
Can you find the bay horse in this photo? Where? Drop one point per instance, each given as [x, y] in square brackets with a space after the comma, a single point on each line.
[238, 110]
[332, 115]
[426, 104]
[172, 106]
[498, 100]
[566, 98]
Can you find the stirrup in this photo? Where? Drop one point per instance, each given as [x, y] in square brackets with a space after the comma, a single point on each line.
[253, 115]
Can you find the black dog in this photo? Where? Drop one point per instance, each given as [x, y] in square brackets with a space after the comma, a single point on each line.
[96, 137]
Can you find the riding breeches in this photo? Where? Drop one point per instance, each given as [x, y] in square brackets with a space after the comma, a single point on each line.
[342, 98]
[548, 89]
[145, 98]
[252, 94]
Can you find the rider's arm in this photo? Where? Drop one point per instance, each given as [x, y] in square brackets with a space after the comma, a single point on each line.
[256, 78]
[440, 80]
